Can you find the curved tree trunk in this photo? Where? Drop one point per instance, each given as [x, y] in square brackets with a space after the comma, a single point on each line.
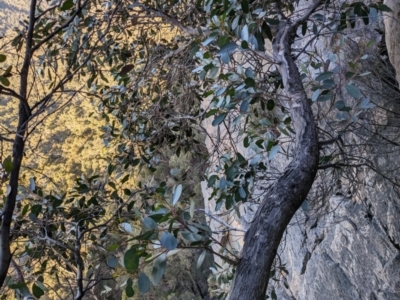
[262, 240]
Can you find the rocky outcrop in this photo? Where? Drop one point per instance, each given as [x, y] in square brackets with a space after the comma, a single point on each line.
[392, 27]
[345, 253]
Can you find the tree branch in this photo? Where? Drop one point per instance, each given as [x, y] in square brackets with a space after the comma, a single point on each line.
[2, 138]
[169, 19]
[18, 150]
[284, 198]
[307, 15]
[59, 29]
[10, 92]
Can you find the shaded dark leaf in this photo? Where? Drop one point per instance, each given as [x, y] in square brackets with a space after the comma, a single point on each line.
[131, 260]
[129, 289]
[67, 5]
[250, 82]
[125, 69]
[4, 81]
[37, 291]
[245, 6]
[7, 164]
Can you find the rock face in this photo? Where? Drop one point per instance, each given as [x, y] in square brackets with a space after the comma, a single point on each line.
[348, 248]
[392, 34]
[344, 254]
[351, 250]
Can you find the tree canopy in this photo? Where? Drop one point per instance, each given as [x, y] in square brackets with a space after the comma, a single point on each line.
[155, 72]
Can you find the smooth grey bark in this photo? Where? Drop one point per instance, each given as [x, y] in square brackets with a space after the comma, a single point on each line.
[262, 240]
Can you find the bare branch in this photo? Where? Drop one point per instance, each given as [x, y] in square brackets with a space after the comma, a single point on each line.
[2, 138]
[10, 92]
[212, 216]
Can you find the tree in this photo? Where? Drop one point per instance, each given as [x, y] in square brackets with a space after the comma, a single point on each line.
[65, 44]
[289, 191]
[151, 89]
[39, 40]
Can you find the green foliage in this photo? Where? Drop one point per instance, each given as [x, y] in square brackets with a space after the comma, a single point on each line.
[149, 87]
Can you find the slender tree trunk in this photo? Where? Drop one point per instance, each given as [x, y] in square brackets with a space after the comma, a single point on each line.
[18, 152]
[262, 240]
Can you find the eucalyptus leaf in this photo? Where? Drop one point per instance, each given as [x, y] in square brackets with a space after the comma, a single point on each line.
[149, 223]
[229, 47]
[249, 72]
[177, 194]
[213, 72]
[226, 51]
[129, 289]
[245, 6]
[208, 40]
[315, 95]
[190, 236]
[219, 119]
[158, 269]
[131, 260]
[211, 180]
[192, 207]
[250, 82]
[168, 241]
[353, 91]
[37, 291]
[244, 106]
[112, 262]
[255, 160]
[201, 259]
[253, 41]
[242, 192]
[324, 76]
[366, 104]
[304, 205]
[174, 172]
[225, 57]
[4, 81]
[274, 151]
[143, 283]
[325, 96]
[216, 20]
[112, 247]
[340, 104]
[270, 104]
[235, 22]
[126, 227]
[32, 185]
[67, 5]
[328, 84]
[41, 285]
[245, 33]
